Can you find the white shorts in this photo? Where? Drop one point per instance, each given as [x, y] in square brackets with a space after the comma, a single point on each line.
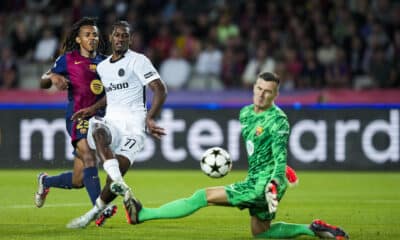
[126, 140]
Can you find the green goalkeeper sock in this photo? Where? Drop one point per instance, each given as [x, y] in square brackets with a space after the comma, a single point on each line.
[286, 230]
[176, 209]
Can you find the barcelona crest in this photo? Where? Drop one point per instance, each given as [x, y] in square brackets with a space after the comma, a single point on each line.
[259, 131]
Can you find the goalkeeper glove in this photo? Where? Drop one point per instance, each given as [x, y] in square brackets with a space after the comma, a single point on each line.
[271, 197]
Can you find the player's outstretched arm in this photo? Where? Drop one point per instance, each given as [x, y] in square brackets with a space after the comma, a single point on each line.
[48, 79]
[159, 95]
[45, 81]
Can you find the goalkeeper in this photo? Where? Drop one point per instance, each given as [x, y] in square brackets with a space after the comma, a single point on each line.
[265, 130]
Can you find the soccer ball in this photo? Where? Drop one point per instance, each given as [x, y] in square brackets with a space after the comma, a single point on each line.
[216, 162]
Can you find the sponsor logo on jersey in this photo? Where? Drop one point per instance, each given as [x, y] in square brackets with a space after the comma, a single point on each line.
[149, 74]
[249, 147]
[118, 86]
[77, 62]
[92, 67]
[259, 131]
[121, 72]
[96, 86]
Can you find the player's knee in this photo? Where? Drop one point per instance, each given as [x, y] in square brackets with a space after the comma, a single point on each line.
[89, 159]
[102, 136]
[258, 226]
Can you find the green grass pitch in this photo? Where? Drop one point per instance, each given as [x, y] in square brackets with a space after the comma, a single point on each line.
[365, 204]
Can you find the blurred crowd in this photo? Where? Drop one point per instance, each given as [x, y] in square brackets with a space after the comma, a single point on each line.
[223, 44]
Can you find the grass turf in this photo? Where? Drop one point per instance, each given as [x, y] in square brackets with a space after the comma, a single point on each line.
[365, 204]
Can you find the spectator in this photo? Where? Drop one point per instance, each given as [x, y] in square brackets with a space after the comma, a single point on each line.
[358, 27]
[312, 75]
[91, 8]
[207, 69]
[356, 55]
[175, 70]
[168, 11]
[187, 43]
[202, 27]
[380, 69]
[8, 69]
[338, 74]
[232, 69]
[293, 65]
[252, 43]
[162, 44]
[37, 5]
[287, 83]
[226, 29]
[46, 47]
[138, 44]
[262, 62]
[326, 54]
[248, 17]
[4, 41]
[22, 42]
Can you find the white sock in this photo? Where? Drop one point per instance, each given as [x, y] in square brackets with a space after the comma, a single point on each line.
[92, 213]
[97, 208]
[111, 166]
[100, 203]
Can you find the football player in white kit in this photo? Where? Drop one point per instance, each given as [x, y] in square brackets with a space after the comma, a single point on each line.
[119, 136]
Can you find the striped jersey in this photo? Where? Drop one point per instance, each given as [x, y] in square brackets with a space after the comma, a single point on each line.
[84, 87]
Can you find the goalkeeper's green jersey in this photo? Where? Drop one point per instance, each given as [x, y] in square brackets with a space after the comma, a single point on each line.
[265, 135]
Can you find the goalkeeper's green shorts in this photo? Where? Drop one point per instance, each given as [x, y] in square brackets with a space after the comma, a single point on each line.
[251, 194]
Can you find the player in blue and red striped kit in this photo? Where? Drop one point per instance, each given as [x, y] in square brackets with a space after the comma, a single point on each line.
[75, 71]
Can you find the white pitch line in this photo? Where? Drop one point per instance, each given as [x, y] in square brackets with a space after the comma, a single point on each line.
[47, 205]
[57, 205]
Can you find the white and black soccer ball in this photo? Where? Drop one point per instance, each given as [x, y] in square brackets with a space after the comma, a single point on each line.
[216, 162]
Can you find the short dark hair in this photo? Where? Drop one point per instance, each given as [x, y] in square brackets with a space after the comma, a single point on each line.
[121, 23]
[269, 76]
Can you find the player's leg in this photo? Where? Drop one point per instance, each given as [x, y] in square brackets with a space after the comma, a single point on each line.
[261, 226]
[100, 211]
[106, 194]
[77, 173]
[230, 195]
[264, 229]
[319, 228]
[186, 206]
[91, 179]
[65, 180]
[102, 136]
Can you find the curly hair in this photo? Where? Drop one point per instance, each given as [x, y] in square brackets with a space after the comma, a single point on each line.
[69, 44]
